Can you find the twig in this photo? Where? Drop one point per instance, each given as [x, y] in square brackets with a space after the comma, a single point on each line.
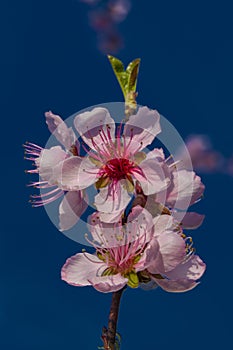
[109, 334]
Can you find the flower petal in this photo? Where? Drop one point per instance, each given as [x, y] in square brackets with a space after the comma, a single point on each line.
[59, 129]
[186, 190]
[71, 208]
[76, 173]
[192, 269]
[48, 159]
[155, 177]
[163, 223]
[111, 217]
[80, 268]
[107, 284]
[140, 225]
[152, 258]
[177, 286]
[112, 200]
[142, 128]
[189, 220]
[107, 235]
[91, 125]
[172, 249]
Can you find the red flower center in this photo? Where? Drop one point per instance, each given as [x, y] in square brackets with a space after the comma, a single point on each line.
[118, 168]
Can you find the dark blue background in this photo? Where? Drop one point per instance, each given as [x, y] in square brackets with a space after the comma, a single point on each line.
[49, 60]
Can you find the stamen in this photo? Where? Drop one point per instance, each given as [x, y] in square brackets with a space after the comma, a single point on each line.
[39, 203]
[45, 194]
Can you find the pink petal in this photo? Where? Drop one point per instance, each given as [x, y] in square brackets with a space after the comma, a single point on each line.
[163, 223]
[76, 173]
[140, 225]
[91, 125]
[71, 208]
[137, 230]
[172, 249]
[107, 284]
[80, 268]
[187, 189]
[192, 269]
[155, 177]
[177, 286]
[144, 126]
[112, 201]
[48, 159]
[189, 220]
[59, 129]
[107, 235]
[114, 217]
[152, 259]
[158, 155]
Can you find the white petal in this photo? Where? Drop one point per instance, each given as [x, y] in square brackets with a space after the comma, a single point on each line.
[172, 249]
[144, 126]
[155, 177]
[76, 173]
[80, 268]
[192, 269]
[48, 159]
[71, 208]
[112, 201]
[59, 129]
[186, 190]
[91, 125]
[177, 286]
[189, 220]
[107, 284]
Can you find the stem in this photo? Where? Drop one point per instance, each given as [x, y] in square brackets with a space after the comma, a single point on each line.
[130, 105]
[109, 335]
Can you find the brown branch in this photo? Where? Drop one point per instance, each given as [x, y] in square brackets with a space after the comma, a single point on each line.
[109, 335]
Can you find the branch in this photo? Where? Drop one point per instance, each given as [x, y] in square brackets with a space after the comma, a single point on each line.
[109, 334]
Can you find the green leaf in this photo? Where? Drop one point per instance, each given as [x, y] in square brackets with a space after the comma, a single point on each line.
[117, 65]
[119, 70]
[132, 70]
[126, 78]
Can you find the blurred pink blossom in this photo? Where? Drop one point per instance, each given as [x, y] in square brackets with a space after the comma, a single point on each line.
[104, 18]
[203, 156]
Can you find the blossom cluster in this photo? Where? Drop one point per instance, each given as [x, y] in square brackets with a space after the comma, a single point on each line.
[141, 202]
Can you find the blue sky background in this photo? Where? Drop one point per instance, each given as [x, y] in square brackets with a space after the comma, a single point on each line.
[49, 60]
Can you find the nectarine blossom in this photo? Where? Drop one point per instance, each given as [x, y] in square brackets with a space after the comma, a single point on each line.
[143, 250]
[44, 161]
[115, 159]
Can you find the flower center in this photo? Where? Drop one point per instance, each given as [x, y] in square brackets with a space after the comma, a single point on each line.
[118, 168]
[124, 266]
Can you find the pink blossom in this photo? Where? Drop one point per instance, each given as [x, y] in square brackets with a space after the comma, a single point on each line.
[115, 160]
[144, 251]
[185, 189]
[45, 161]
